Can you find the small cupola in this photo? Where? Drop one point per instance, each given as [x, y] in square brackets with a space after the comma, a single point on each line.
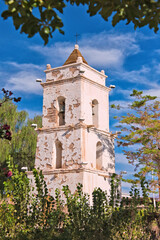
[74, 56]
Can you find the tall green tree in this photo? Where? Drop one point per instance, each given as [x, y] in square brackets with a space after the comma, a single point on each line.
[140, 134]
[22, 146]
[23, 143]
[41, 16]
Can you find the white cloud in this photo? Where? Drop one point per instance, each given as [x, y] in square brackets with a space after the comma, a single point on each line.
[25, 66]
[125, 92]
[24, 81]
[150, 35]
[134, 76]
[127, 187]
[153, 92]
[157, 67]
[124, 109]
[104, 40]
[121, 158]
[103, 58]
[148, 77]
[55, 55]
[22, 77]
[122, 103]
[100, 50]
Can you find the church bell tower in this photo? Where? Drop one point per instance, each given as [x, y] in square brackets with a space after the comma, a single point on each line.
[74, 144]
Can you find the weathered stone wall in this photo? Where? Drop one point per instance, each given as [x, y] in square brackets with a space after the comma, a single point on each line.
[78, 146]
[71, 91]
[78, 95]
[75, 70]
[71, 148]
[95, 179]
[90, 139]
[89, 92]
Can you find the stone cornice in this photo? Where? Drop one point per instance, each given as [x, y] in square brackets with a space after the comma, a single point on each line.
[77, 78]
[77, 126]
[79, 170]
[73, 65]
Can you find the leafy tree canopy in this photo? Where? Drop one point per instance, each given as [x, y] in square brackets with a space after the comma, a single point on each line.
[140, 134]
[41, 16]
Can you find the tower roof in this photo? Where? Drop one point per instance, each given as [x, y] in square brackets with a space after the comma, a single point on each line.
[74, 56]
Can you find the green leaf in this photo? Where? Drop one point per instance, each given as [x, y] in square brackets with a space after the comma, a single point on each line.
[11, 1]
[13, 9]
[46, 30]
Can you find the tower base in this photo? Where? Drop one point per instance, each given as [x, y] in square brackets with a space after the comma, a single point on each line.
[90, 179]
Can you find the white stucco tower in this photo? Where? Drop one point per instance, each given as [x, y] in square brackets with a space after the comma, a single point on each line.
[75, 145]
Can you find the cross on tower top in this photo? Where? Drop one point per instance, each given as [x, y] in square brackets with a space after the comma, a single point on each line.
[77, 35]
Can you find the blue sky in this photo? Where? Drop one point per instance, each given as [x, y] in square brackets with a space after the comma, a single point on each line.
[131, 59]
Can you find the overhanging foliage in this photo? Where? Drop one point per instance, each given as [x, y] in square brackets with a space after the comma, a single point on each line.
[43, 17]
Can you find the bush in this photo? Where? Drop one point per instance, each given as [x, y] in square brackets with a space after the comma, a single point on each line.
[29, 216]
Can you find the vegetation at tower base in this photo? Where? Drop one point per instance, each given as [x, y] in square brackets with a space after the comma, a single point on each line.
[29, 216]
[140, 128]
[39, 16]
[22, 147]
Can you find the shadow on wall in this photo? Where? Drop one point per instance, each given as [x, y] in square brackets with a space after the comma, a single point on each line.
[107, 144]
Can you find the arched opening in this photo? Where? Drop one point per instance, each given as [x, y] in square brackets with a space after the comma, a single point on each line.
[95, 113]
[58, 154]
[61, 113]
[99, 151]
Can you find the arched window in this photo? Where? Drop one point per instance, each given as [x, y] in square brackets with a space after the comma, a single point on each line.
[95, 113]
[58, 154]
[99, 151]
[61, 113]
